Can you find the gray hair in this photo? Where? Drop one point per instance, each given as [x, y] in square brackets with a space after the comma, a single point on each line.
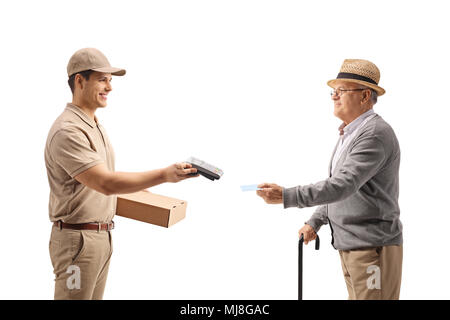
[373, 96]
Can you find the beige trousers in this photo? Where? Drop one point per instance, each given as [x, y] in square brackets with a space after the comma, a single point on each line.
[80, 260]
[373, 273]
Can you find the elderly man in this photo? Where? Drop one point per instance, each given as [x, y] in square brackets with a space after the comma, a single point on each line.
[359, 199]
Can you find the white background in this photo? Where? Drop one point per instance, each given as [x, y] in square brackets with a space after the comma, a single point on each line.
[242, 85]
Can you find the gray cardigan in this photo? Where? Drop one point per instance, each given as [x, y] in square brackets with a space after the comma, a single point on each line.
[360, 197]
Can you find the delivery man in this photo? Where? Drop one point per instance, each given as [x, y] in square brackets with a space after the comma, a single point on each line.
[83, 184]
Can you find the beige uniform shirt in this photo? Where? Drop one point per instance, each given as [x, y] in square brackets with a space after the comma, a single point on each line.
[76, 143]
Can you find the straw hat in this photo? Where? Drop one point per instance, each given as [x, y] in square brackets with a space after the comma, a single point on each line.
[360, 71]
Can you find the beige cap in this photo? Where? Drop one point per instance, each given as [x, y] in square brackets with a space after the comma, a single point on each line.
[360, 71]
[91, 59]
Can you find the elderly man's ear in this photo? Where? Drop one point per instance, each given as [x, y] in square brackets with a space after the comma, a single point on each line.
[366, 96]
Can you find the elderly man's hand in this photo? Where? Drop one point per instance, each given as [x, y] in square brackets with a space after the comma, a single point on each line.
[308, 233]
[271, 193]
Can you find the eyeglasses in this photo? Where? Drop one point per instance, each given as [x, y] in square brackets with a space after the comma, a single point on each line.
[340, 91]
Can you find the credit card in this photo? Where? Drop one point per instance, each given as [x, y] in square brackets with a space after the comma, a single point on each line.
[250, 187]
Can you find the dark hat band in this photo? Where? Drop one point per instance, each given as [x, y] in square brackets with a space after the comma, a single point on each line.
[346, 75]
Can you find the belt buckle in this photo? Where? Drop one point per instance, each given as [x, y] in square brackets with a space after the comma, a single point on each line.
[99, 227]
[110, 226]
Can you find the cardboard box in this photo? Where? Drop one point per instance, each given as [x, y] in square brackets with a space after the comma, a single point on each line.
[151, 208]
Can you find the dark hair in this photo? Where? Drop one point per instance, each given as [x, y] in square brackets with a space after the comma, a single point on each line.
[85, 74]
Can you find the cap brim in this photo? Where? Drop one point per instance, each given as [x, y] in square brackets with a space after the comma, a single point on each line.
[378, 89]
[113, 71]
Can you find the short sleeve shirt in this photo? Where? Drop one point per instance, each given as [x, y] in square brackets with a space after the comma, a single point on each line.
[76, 143]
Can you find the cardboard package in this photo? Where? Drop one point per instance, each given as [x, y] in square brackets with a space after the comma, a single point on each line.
[151, 208]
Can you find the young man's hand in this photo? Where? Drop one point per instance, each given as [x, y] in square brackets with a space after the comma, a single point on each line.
[271, 193]
[179, 171]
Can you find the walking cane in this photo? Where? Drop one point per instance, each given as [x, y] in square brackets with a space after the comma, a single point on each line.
[300, 264]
